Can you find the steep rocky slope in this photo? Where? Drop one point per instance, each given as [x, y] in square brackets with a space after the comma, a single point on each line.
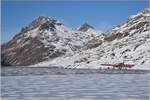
[128, 43]
[44, 39]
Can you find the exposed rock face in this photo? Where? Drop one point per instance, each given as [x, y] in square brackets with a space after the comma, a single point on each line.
[15, 53]
[45, 38]
[95, 42]
[138, 23]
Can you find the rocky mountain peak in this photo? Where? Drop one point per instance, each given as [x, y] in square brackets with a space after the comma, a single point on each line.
[84, 27]
[42, 22]
[43, 19]
[145, 13]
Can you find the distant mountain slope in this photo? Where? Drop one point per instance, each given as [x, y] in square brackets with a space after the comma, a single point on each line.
[128, 43]
[44, 39]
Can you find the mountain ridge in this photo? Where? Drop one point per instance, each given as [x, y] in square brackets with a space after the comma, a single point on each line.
[48, 38]
[54, 44]
[127, 43]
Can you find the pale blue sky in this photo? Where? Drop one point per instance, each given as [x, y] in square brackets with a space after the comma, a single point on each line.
[103, 15]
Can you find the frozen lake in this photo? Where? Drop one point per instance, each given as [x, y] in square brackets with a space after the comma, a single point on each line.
[22, 83]
[76, 87]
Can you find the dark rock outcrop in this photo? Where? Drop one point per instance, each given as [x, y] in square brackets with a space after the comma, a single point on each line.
[85, 27]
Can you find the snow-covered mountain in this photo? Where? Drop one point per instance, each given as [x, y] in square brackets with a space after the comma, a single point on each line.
[128, 43]
[44, 39]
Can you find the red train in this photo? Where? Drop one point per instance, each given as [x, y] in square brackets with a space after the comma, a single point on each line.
[120, 65]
